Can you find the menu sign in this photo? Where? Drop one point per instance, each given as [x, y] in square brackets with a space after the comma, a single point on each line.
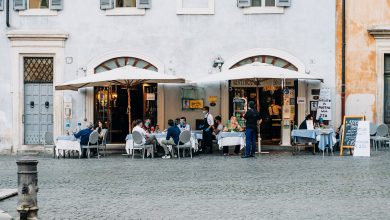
[362, 144]
[324, 108]
[350, 131]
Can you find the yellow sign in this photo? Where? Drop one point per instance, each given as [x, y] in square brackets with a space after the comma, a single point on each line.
[213, 99]
[196, 104]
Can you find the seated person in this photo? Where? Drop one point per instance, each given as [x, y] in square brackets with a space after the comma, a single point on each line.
[149, 139]
[232, 126]
[218, 126]
[99, 129]
[171, 139]
[303, 125]
[147, 126]
[84, 136]
[183, 125]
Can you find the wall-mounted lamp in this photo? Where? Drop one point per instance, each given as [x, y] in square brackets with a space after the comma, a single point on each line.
[218, 62]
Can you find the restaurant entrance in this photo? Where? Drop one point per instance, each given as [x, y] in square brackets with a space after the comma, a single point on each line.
[269, 99]
[111, 108]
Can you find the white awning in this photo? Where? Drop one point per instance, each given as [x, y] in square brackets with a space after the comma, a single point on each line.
[257, 71]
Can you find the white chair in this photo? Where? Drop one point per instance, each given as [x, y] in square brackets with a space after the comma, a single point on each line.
[382, 133]
[49, 143]
[185, 137]
[104, 141]
[139, 144]
[373, 128]
[93, 143]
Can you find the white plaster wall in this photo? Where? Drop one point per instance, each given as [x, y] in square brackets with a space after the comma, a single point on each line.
[186, 44]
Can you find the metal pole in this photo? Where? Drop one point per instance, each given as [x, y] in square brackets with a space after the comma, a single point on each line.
[129, 107]
[27, 189]
[258, 126]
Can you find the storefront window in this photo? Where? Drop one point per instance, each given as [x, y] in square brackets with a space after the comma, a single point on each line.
[387, 89]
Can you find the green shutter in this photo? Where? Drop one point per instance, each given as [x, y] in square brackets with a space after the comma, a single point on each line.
[144, 3]
[106, 4]
[56, 5]
[244, 3]
[283, 3]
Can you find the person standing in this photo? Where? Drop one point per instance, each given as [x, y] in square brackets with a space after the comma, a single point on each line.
[252, 118]
[208, 123]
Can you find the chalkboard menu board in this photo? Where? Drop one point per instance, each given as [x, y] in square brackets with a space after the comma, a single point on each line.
[350, 130]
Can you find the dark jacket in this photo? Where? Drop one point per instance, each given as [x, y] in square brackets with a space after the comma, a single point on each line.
[303, 125]
[251, 117]
[174, 133]
[84, 136]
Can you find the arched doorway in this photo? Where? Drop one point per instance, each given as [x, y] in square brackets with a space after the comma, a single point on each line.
[110, 103]
[269, 95]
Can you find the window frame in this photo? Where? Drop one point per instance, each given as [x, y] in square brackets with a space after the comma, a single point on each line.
[125, 11]
[263, 9]
[180, 10]
[38, 11]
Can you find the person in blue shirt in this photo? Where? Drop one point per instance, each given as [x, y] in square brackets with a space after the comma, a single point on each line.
[84, 136]
[172, 138]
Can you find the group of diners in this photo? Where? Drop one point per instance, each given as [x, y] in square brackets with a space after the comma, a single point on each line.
[212, 127]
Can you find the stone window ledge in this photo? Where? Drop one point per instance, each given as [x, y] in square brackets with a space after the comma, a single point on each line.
[263, 10]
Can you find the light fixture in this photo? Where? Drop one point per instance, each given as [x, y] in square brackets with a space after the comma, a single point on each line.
[102, 97]
[218, 62]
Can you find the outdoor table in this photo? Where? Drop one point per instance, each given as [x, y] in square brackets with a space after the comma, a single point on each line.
[324, 137]
[67, 143]
[159, 137]
[231, 139]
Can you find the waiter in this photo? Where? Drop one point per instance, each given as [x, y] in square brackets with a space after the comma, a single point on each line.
[208, 123]
[253, 119]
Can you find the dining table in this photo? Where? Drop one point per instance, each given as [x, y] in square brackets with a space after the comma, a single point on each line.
[231, 139]
[66, 144]
[325, 138]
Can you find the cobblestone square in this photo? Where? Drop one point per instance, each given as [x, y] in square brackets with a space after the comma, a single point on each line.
[275, 186]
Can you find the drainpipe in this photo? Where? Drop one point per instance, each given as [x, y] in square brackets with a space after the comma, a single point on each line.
[343, 62]
[7, 14]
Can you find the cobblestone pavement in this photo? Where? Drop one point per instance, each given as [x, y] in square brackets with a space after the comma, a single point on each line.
[275, 186]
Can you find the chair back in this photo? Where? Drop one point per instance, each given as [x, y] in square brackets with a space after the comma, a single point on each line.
[104, 131]
[137, 137]
[185, 136]
[373, 128]
[382, 130]
[49, 140]
[94, 137]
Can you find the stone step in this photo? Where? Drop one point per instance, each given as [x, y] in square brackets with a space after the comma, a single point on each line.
[4, 215]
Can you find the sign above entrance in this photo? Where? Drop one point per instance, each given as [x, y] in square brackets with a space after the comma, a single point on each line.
[262, 83]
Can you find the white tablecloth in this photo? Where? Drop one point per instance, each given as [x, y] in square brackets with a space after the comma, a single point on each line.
[231, 139]
[67, 144]
[159, 138]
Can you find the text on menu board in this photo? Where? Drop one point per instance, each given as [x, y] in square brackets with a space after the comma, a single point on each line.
[350, 130]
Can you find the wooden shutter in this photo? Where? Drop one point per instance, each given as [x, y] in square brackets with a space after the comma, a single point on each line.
[106, 4]
[20, 5]
[144, 3]
[1, 5]
[56, 4]
[283, 3]
[244, 3]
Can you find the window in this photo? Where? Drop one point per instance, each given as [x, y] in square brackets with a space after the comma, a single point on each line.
[387, 89]
[263, 3]
[35, 4]
[125, 7]
[125, 3]
[38, 7]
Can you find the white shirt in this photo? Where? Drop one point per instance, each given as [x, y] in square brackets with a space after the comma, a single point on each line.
[210, 119]
[187, 127]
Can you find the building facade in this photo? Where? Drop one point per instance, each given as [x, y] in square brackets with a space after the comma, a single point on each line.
[47, 42]
[367, 58]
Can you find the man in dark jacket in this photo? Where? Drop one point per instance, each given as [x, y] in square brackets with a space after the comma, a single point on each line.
[84, 136]
[303, 125]
[252, 118]
[172, 138]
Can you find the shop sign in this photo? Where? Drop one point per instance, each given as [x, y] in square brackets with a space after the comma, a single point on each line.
[286, 112]
[324, 109]
[196, 104]
[150, 96]
[270, 83]
[213, 100]
[301, 100]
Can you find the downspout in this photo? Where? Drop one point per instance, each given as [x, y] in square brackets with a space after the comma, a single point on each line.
[7, 14]
[343, 52]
